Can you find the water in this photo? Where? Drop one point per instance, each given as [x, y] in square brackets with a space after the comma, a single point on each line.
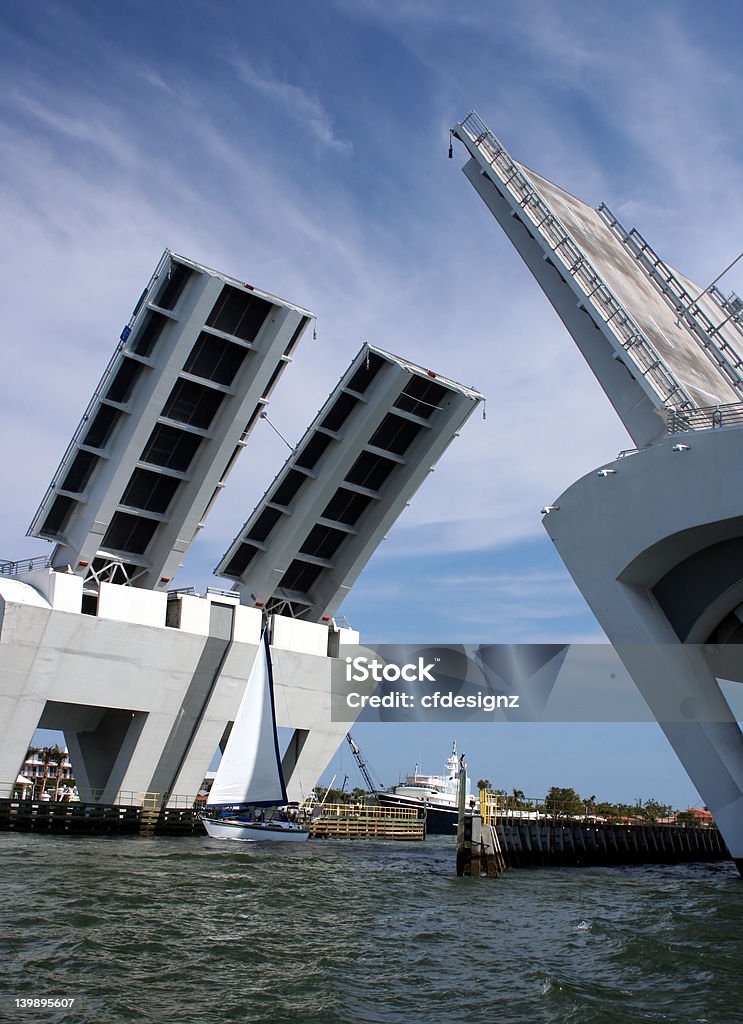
[193, 930]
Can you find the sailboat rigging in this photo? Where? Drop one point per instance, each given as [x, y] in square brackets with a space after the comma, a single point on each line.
[248, 798]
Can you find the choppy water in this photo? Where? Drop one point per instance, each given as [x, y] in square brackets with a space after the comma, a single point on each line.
[193, 930]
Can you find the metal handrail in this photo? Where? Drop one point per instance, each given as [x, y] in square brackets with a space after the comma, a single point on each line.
[24, 565]
[220, 592]
[630, 336]
[368, 811]
[146, 800]
[711, 417]
[686, 306]
[732, 305]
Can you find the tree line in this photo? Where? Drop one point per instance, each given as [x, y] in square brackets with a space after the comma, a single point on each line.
[566, 802]
[560, 801]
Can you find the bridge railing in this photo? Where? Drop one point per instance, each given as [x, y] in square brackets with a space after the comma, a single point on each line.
[361, 810]
[711, 417]
[590, 284]
[24, 565]
[149, 801]
[686, 306]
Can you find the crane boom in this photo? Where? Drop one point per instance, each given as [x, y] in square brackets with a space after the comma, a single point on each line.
[372, 785]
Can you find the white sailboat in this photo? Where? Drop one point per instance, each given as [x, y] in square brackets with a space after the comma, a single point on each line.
[247, 800]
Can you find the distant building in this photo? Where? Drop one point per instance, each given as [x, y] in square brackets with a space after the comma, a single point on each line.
[701, 815]
[50, 777]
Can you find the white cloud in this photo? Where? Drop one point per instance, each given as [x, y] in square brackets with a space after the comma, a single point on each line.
[155, 79]
[89, 128]
[300, 105]
[388, 245]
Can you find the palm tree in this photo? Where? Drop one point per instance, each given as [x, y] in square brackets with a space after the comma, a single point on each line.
[47, 757]
[59, 756]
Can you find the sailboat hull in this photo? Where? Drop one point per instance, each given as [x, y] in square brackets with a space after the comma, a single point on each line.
[255, 831]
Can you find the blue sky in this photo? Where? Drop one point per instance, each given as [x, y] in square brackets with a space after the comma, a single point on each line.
[303, 148]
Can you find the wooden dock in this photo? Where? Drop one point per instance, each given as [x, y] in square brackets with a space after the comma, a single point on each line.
[529, 838]
[66, 818]
[584, 844]
[503, 836]
[368, 821]
[146, 817]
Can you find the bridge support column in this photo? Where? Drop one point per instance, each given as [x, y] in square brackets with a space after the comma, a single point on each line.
[687, 702]
[652, 546]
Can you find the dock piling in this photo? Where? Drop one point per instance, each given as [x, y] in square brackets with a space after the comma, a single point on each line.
[479, 850]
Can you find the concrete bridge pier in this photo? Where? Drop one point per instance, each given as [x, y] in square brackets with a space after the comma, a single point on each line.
[653, 541]
[697, 721]
[146, 689]
[101, 742]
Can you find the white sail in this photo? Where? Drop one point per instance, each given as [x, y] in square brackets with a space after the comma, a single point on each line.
[250, 771]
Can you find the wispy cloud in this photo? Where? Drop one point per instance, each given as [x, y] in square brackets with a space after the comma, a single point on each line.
[390, 245]
[89, 127]
[155, 79]
[486, 599]
[301, 106]
[331, 187]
